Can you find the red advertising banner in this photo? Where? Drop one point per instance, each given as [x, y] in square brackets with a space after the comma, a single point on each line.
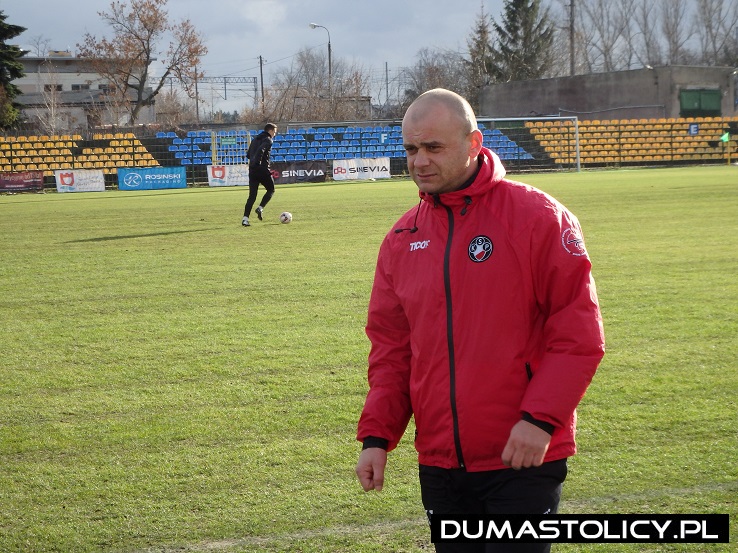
[24, 181]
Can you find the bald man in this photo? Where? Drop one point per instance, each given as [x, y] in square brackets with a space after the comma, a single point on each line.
[484, 326]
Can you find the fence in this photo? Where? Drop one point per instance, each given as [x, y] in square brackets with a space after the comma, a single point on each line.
[526, 144]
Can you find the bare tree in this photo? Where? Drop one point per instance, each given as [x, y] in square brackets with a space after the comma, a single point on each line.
[608, 23]
[51, 119]
[434, 69]
[648, 46]
[716, 26]
[125, 59]
[40, 45]
[629, 52]
[561, 62]
[173, 111]
[303, 92]
[676, 29]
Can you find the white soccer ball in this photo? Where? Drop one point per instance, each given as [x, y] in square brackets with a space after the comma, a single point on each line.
[285, 217]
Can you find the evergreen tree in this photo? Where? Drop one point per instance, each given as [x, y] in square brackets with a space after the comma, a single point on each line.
[10, 69]
[523, 47]
[478, 65]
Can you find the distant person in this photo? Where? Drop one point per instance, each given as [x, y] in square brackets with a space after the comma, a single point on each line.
[259, 155]
[484, 325]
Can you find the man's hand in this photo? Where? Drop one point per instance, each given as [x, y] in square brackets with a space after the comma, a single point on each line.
[370, 468]
[526, 447]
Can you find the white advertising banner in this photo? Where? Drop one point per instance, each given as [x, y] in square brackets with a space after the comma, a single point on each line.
[353, 169]
[228, 175]
[79, 180]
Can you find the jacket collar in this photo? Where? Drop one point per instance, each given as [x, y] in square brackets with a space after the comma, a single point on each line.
[490, 172]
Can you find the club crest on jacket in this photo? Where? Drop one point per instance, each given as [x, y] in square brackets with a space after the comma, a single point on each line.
[480, 249]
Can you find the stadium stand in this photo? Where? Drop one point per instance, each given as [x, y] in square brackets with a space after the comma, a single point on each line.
[635, 141]
[546, 143]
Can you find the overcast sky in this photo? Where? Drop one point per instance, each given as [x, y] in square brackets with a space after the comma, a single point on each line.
[369, 33]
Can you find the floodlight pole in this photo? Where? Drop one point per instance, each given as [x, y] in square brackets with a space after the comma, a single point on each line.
[330, 64]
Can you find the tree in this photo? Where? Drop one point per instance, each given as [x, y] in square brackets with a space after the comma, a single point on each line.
[717, 23]
[40, 45]
[437, 69]
[10, 69]
[607, 22]
[677, 32]
[52, 118]
[172, 111]
[649, 51]
[522, 49]
[479, 62]
[125, 59]
[301, 92]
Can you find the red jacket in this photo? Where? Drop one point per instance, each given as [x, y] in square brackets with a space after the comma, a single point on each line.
[483, 307]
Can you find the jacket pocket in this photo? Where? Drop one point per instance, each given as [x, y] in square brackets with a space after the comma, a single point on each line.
[528, 371]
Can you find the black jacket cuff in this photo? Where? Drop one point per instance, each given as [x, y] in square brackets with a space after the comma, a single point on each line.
[371, 441]
[545, 426]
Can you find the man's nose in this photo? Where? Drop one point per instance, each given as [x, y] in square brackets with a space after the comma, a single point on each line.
[421, 158]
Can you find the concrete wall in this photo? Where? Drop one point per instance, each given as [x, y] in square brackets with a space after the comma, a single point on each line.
[635, 94]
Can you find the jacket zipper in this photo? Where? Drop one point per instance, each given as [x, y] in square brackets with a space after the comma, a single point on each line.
[450, 337]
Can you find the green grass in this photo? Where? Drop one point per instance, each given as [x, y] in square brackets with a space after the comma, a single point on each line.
[170, 381]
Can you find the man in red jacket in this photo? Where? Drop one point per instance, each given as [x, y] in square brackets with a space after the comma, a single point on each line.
[484, 326]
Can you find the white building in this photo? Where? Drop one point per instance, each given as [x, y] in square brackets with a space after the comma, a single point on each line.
[61, 93]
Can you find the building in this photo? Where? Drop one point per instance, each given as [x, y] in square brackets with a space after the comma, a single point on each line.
[650, 93]
[61, 93]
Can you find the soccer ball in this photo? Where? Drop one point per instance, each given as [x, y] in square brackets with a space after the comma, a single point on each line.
[285, 217]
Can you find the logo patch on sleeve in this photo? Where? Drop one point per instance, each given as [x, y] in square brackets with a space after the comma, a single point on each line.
[573, 242]
[480, 249]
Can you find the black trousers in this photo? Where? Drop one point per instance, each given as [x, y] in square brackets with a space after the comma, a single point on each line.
[535, 490]
[257, 176]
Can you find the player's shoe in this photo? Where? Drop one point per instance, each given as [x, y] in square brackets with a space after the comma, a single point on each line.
[245, 222]
[259, 211]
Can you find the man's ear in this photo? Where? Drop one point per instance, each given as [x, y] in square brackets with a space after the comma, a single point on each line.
[476, 142]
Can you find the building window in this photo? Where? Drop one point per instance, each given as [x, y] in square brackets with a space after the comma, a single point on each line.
[52, 87]
[80, 87]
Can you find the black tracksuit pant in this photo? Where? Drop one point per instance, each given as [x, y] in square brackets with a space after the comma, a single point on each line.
[535, 490]
[257, 176]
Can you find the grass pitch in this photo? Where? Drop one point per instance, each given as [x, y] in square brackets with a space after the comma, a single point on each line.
[170, 381]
